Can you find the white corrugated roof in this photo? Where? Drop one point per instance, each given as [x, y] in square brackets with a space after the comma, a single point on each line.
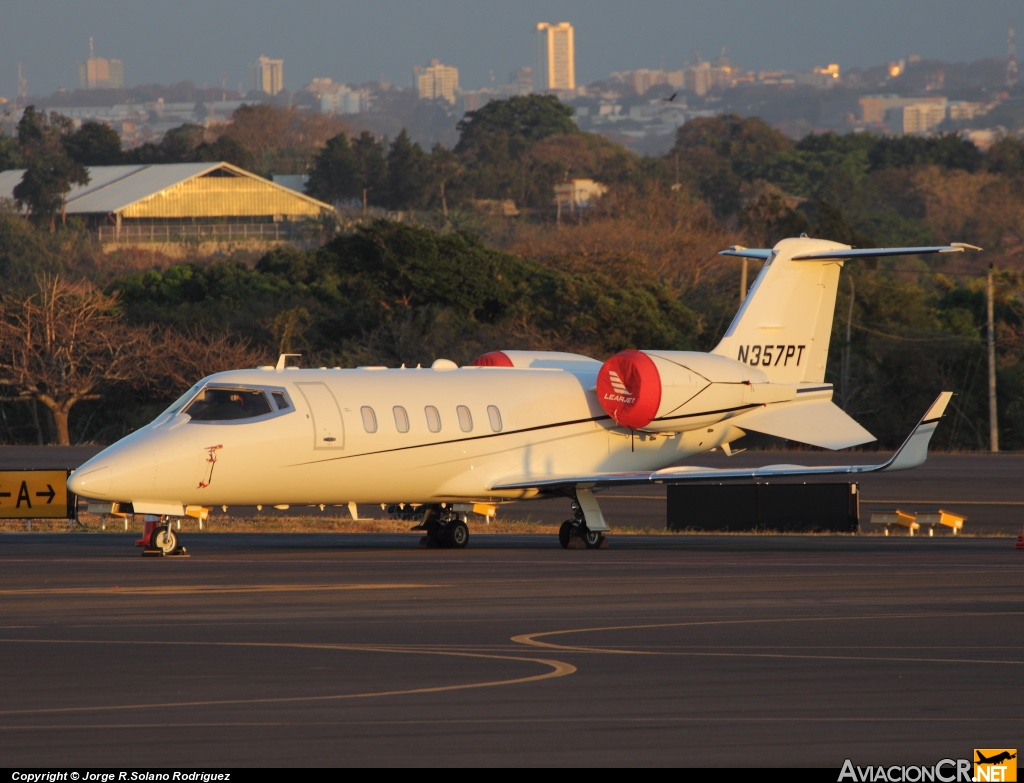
[112, 188]
[8, 180]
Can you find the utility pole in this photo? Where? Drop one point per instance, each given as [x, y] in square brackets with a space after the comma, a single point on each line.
[844, 379]
[1011, 59]
[993, 419]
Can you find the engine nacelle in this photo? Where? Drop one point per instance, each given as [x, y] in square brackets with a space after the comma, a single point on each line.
[558, 360]
[637, 387]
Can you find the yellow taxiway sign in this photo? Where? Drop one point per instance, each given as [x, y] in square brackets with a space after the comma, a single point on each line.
[35, 494]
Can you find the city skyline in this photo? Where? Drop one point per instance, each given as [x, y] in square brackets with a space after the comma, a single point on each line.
[355, 43]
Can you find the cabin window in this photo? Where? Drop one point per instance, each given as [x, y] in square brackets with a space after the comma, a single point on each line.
[369, 418]
[433, 418]
[401, 419]
[220, 404]
[281, 400]
[465, 418]
[494, 417]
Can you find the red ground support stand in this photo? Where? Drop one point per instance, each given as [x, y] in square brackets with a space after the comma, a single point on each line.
[150, 523]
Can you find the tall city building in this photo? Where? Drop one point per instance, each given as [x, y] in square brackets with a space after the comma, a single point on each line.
[99, 73]
[554, 57]
[267, 75]
[436, 81]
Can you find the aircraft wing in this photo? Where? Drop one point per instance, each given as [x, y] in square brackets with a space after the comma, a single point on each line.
[912, 453]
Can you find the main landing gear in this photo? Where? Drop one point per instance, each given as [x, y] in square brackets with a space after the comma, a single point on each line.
[444, 528]
[575, 533]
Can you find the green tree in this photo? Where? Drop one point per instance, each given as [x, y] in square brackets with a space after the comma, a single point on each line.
[25, 252]
[10, 157]
[408, 174]
[716, 155]
[94, 144]
[226, 149]
[494, 140]
[1006, 156]
[335, 173]
[372, 178]
[445, 170]
[179, 144]
[521, 120]
[49, 171]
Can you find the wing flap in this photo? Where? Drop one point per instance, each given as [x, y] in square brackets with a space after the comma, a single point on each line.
[912, 453]
[816, 422]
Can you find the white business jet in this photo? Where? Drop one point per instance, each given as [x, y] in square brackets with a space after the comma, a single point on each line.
[447, 440]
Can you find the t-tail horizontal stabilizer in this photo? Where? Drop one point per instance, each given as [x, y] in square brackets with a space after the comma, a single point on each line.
[912, 453]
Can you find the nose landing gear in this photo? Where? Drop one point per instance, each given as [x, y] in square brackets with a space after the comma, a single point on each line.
[159, 539]
[164, 540]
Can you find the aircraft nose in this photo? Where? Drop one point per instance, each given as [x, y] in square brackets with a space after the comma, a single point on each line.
[122, 472]
[93, 483]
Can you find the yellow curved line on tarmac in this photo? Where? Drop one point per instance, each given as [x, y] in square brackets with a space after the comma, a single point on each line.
[215, 589]
[558, 669]
[532, 640]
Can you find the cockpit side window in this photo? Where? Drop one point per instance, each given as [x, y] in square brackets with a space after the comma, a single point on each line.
[223, 404]
[281, 401]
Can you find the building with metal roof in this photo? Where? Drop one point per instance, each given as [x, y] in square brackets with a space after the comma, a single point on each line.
[169, 202]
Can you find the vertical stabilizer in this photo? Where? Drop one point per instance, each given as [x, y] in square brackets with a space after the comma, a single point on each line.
[784, 325]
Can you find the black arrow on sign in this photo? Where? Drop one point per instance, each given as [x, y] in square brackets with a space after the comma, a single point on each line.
[49, 497]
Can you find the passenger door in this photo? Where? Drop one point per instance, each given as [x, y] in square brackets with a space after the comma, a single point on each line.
[325, 415]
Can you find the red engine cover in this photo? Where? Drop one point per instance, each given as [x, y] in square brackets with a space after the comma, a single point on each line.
[492, 359]
[629, 388]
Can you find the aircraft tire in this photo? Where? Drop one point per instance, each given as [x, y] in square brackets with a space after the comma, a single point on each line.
[164, 539]
[565, 533]
[457, 534]
[591, 538]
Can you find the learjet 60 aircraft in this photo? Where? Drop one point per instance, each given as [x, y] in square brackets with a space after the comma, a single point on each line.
[449, 440]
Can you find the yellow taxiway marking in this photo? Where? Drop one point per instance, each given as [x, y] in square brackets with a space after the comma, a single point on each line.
[213, 589]
[557, 669]
[533, 640]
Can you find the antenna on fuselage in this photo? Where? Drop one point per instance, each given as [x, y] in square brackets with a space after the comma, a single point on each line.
[282, 360]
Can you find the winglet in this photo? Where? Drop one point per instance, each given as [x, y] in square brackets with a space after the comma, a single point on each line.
[914, 450]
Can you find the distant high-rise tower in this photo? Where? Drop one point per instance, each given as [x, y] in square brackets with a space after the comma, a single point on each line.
[99, 73]
[554, 57]
[436, 81]
[1011, 59]
[267, 75]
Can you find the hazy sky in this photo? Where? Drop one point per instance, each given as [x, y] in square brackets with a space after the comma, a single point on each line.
[198, 40]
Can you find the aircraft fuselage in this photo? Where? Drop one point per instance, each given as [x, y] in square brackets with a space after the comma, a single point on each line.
[370, 435]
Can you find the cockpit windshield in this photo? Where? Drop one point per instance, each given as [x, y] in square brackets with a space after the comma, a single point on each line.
[179, 403]
[224, 404]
